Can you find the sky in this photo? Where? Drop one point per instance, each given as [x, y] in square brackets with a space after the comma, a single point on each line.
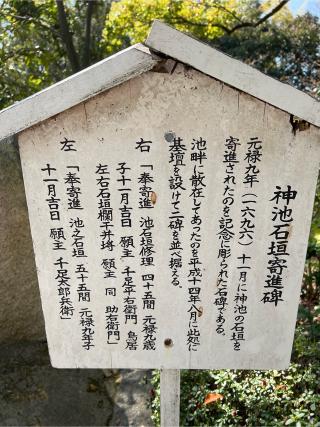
[301, 6]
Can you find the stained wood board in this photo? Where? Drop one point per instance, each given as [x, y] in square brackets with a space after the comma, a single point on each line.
[178, 116]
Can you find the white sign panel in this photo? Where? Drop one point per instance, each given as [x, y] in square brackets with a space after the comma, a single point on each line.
[170, 218]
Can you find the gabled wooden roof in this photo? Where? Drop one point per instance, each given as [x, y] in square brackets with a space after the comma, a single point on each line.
[233, 72]
[136, 60]
[77, 88]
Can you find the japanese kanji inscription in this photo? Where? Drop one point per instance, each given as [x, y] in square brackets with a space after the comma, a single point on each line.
[170, 218]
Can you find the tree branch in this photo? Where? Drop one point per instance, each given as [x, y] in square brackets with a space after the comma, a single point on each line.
[223, 8]
[87, 40]
[181, 20]
[67, 37]
[30, 19]
[106, 10]
[236, 27]
[15, 53]
[261, 20]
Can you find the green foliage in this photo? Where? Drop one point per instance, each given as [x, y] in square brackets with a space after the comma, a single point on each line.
[130, 21]
[287, 50]
[284, 47]
[256, 398]
[35, 51]
[311, 278]
[315, 225]
[30, 55]
[261, 398]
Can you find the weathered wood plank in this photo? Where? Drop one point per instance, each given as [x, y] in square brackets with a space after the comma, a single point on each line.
[161, 108]
[75, 89]
[208, 60]
[169, 397]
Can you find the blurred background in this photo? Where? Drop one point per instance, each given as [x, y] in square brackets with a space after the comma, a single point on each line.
[42, 42]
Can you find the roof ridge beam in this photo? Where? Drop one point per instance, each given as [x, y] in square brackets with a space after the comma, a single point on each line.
[210, 61]
[77, 88]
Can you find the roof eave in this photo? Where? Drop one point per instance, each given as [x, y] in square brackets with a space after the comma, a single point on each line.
[75, 89]
[136, 60]
[204, 58]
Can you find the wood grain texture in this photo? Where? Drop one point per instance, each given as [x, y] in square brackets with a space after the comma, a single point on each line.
[157, 106]
[169, 397]
[79, 87]
[214, 63]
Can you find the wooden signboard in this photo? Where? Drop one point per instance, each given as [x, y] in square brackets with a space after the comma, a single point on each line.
[170, 213]
[170, 218]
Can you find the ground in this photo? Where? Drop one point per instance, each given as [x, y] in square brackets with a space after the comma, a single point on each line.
[32, 393]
